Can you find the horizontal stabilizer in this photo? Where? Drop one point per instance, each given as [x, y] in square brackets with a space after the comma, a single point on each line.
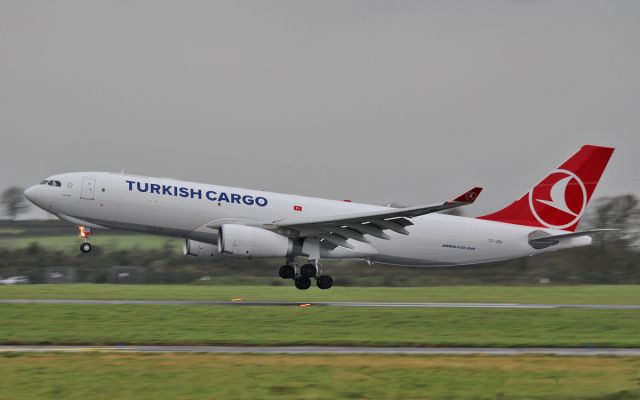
[545, 241]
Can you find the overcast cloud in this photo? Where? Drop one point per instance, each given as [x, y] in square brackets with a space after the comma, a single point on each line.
[408, 101]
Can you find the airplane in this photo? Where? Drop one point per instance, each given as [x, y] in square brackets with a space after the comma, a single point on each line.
[218, 222]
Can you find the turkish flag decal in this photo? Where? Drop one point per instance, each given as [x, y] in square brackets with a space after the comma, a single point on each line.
[297, 208]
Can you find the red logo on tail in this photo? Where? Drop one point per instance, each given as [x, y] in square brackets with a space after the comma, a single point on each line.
[559, 200]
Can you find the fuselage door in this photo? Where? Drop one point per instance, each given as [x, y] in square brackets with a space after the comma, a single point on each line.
[88, 188]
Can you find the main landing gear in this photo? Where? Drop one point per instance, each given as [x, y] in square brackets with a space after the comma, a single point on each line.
[85, 232]
[287, 271]
[302, 279]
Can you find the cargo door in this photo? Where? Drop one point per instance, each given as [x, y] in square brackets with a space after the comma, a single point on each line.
[88, 188]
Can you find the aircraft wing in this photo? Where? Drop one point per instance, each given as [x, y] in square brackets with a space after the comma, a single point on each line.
[337, 229]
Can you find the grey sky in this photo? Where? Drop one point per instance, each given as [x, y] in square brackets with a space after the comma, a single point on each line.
[409, 101]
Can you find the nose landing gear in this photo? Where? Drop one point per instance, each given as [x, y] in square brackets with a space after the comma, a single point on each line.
[85, 247]
[85, 232]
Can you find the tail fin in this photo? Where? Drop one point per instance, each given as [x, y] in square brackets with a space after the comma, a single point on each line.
[560, 199]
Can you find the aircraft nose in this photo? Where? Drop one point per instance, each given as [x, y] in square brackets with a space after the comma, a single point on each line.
[30, 193]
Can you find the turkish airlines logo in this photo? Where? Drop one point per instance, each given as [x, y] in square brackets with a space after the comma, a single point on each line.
[559, 201]
[471, 196]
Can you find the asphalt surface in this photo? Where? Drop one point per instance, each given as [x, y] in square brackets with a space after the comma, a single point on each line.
[321, 304]
[635, 352]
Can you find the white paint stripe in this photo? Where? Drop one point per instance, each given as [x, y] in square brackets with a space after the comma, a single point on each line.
[634, 352]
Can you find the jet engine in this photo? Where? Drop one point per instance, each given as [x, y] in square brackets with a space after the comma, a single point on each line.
[200, 249]
[249, 241]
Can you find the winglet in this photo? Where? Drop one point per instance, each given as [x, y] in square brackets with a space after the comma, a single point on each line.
[469, 196]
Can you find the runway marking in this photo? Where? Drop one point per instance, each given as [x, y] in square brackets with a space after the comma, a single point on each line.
[630, 352]
[321, 304]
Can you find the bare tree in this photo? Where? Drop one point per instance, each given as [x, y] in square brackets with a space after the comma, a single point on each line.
[620, 212]
[14, 202]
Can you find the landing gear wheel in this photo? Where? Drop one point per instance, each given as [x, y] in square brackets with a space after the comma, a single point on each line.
[303, 283]
[85, 247]
[287, 272]
[308, 271]
[324, 282]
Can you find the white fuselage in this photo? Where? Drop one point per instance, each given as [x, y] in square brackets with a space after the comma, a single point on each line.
[195, 211]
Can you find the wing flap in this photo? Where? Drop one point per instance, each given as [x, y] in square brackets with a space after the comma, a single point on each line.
[338, 241]
[391, 225]
[370, 229]
[346, 233]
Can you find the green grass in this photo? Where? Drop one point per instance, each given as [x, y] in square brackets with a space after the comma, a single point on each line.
[105, 240]
[245, 376]
[586, 294]
[11, 231]
[162, 324]
[232, 376]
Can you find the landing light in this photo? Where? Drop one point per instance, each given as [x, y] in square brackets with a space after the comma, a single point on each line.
[84, 231]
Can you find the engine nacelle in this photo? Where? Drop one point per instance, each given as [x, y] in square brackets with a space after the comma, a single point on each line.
[249, 241]
[200, 249]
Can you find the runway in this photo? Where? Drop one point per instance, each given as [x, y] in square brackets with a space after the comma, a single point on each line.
[320, 304]
[634, 352]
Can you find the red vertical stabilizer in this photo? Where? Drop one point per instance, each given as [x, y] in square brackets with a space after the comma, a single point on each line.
[559, 200]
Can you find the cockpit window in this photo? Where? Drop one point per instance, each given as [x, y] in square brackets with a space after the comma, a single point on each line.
[53, 183]
[44, 182]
